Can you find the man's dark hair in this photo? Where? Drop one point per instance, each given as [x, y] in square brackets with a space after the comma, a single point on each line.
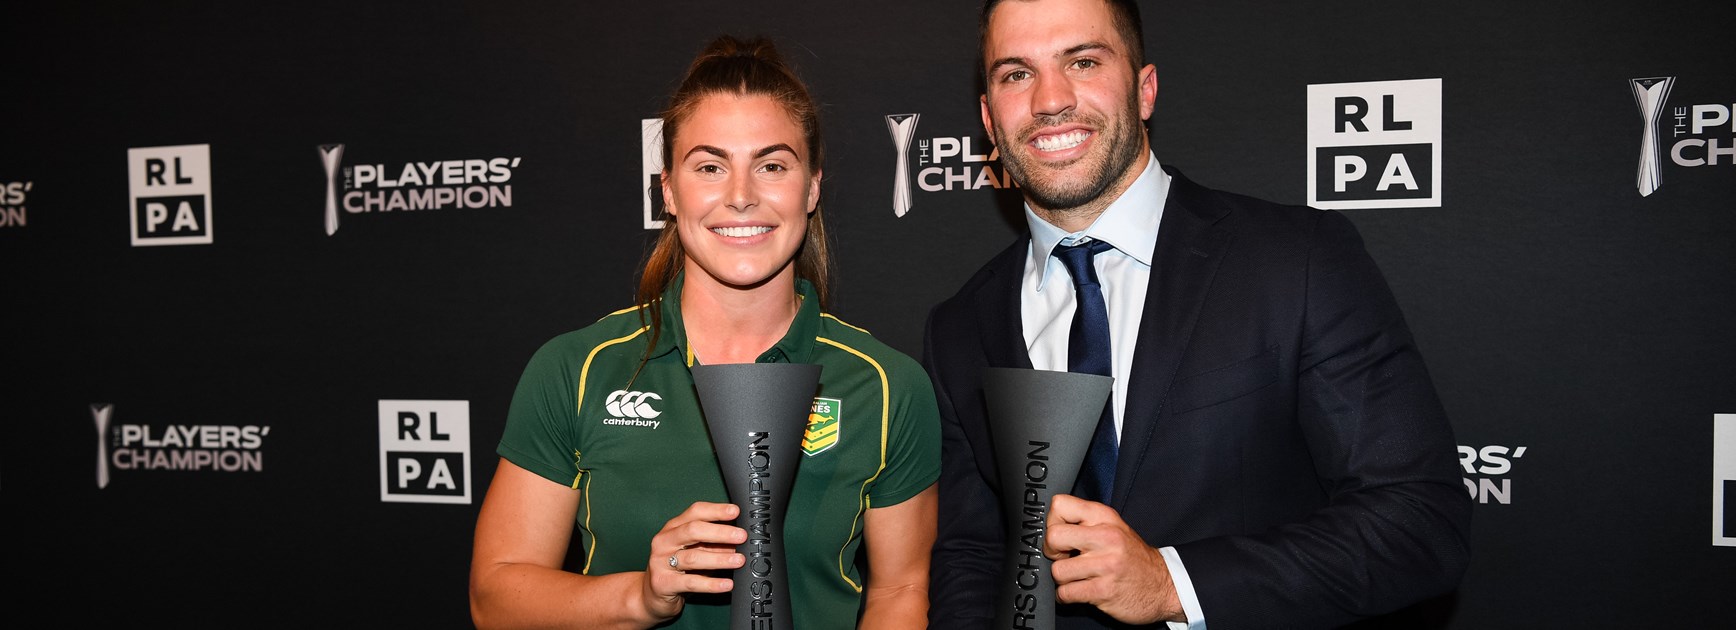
[1124, 14]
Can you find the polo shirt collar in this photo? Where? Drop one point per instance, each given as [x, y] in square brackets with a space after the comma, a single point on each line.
[796, 346]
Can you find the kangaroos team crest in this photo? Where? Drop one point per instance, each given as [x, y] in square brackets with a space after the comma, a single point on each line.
[823, 423]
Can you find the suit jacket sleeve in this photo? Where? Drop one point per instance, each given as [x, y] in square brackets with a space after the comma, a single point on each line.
[1394, 526]
[967, 552]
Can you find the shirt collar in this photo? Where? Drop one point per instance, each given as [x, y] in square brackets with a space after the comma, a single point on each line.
[674, 335]
[1128, 224]
[796, 346]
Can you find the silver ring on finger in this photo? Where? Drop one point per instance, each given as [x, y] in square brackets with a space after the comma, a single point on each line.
[674, 564]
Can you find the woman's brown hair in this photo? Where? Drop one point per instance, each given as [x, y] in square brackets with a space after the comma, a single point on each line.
[741, 68]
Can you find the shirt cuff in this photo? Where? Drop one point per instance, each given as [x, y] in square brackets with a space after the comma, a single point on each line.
[1184, 590]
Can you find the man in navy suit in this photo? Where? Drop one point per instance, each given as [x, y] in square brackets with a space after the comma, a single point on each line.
[1280, 456]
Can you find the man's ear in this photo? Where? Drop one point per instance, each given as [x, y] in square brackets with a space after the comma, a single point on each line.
[988, 121]
[1147, 91]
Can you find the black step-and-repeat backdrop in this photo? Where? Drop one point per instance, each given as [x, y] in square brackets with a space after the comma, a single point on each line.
[271, 271]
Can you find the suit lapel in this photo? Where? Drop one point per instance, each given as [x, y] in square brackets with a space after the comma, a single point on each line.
[997, 308]
[1190, 246]
[994, 307]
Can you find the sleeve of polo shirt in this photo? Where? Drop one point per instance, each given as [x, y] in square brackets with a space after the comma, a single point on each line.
[539, 433]
[912, 437]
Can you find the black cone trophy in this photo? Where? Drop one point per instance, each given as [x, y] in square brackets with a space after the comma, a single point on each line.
[1041, 424]
[756, 413]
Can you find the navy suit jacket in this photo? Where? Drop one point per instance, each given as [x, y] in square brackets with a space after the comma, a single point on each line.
[1281, 430]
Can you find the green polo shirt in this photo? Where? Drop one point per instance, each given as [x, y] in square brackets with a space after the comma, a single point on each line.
[637, 451]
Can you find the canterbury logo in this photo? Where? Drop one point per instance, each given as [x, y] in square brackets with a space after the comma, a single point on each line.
[626, 404]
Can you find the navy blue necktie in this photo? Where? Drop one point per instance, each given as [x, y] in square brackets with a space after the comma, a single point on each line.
[1088, 352]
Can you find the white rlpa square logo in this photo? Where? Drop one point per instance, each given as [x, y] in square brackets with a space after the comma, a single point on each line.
[1724, 480]
[171, 195]
[425, 451]
[1375, 144]
[651, 170]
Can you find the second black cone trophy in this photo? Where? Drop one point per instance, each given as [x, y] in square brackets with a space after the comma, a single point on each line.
[1041, 424]
[756, 413]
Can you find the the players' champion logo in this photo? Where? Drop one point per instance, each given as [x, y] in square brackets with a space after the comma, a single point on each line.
[903, 128]
[333, 156]
[1650, 94]
[100, 412]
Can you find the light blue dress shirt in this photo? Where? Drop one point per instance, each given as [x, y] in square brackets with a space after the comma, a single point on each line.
[1046, 302]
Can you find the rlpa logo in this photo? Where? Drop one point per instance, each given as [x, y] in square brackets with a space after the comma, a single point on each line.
[171, 195]
[425, 451]
[1375, 144]
[1724, 479]
[651, 171]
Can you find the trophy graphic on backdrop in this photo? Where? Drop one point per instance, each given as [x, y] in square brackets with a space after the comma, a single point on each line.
[756, 413]
[903, 128]
[1650, 94]
[101, 412]
[1041, 424]
[332, 155]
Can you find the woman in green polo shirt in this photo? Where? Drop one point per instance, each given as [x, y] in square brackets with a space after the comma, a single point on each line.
[605, 432]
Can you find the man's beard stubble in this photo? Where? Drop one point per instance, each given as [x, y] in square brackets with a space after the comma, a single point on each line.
[1064, 193]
